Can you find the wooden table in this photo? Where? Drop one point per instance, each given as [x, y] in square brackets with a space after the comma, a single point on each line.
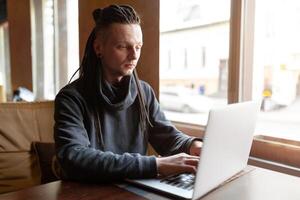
[70, 191]
[259, 184]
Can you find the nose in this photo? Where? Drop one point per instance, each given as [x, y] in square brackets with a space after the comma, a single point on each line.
[133, 54]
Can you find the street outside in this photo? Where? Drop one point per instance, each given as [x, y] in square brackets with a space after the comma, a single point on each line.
[283, 122]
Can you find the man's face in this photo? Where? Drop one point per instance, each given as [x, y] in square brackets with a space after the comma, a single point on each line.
[120, 50]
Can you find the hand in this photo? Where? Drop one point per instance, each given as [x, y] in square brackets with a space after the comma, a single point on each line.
[176, 164]
[195, 149]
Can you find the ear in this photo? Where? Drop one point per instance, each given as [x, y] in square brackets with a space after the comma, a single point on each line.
[97, 46]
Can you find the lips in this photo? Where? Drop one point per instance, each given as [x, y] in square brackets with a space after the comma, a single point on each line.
[130, 66]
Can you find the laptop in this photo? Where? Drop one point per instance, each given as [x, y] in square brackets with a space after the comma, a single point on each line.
[225, 151]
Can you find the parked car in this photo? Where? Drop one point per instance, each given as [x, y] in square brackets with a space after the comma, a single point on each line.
[184, 100]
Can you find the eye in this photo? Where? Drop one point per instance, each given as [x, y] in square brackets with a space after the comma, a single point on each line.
[121, 46]
[138, 47]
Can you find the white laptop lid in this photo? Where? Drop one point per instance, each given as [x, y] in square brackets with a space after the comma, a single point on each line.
[225, 152]
[227, 143]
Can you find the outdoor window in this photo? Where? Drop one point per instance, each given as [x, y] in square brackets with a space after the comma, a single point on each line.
[194, 47]
[194, 50]
[276, 67]
[4, 61]
[55, 45]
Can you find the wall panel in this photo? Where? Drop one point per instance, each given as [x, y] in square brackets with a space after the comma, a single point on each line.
[20, 43]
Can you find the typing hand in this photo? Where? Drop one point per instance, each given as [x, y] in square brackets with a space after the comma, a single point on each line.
[195, 149]
[176, 164]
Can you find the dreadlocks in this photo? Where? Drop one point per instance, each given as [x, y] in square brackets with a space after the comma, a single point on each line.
[90, 70]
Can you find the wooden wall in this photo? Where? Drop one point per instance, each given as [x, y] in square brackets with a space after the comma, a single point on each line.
[20, 43]
[148, 67]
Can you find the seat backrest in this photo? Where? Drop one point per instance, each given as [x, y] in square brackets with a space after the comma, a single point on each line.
[20, 125]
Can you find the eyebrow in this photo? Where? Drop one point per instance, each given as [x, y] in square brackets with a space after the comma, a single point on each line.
[139, 43]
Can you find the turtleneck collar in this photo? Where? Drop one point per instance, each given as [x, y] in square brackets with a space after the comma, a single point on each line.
[119, 96]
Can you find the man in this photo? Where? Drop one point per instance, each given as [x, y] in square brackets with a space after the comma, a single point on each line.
[105, 119]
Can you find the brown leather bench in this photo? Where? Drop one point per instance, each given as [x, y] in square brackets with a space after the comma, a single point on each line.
[21, 125]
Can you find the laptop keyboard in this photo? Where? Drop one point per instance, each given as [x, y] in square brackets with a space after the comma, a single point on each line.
[184, 181]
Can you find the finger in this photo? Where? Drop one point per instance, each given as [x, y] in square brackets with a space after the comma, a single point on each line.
[184, 155]
[187, 156]
[184, 168]
[193, 162]
[188, 169]
[179, 169]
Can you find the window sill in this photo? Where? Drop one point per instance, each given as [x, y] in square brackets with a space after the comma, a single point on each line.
[277, 150]
[294, 171]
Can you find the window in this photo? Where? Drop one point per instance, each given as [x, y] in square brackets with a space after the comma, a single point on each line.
[55, 51]
[194, 44]
[194, 49]
[276, 67]
[5, 59]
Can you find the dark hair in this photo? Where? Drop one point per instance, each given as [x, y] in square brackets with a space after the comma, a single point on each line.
[91, 66]
[122, 14]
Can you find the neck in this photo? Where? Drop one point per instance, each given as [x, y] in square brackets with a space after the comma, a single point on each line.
[114, 80]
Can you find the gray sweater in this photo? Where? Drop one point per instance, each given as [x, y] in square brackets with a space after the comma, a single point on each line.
[122, 152]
